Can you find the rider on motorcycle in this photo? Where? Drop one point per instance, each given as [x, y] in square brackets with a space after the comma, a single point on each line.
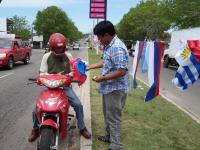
[57, 62]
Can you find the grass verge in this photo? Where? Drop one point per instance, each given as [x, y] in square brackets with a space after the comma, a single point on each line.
[157, 125]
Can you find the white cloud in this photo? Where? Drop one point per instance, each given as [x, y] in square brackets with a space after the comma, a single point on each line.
[37, 3]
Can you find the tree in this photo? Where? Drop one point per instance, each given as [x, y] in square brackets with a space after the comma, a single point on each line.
[21, 27]
[183, 14]
[147, 19]
[51, 20]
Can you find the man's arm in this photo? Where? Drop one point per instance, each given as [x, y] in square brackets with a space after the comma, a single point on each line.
[121, 64]
[69, 55]
[95, 66]
[116, 74]
[44, 66]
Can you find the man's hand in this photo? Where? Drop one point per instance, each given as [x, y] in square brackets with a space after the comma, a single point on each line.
[98, 78]
[88, 68]
[60, 72]
[94, 66]
[70, 74]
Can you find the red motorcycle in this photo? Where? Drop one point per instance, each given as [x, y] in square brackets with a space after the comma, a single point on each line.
[52, 110]
[52, 105]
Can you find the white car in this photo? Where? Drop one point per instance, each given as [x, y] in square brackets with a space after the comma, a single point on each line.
[76, 47]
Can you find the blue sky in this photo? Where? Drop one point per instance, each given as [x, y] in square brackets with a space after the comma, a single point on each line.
[77, 10]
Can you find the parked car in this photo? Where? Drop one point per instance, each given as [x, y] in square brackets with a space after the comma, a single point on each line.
[131, 52]
[12, 50]
[129, 46]
[76, 46]
[176, 37]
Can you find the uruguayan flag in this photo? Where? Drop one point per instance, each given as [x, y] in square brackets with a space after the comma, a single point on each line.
[189, 69]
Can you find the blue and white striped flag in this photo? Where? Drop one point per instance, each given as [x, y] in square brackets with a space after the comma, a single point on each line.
[189, 69]
[143, 65]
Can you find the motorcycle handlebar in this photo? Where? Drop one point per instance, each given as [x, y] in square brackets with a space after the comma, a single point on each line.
[74, 81]
[34, 81]
[31, 79]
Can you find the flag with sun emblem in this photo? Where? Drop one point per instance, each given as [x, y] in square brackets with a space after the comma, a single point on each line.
[189, 68]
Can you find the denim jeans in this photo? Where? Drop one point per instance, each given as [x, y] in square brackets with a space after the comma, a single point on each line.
[74, 101]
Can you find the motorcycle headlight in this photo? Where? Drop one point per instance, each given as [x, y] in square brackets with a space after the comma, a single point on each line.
[52, 84]
[2, 55]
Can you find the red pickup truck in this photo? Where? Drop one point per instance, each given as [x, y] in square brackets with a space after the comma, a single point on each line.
[13, 50]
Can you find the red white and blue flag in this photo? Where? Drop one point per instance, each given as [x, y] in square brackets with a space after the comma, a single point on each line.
[151, 53]
[138, 53]
[154, 65]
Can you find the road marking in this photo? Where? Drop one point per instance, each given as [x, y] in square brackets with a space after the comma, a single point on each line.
[8, 74]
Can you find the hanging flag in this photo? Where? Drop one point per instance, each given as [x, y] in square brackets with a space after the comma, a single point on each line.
[154, 65]
[138, 52]
[144, 57]
[79, 70]
[151, 63]
[189, 69]
[194, 46]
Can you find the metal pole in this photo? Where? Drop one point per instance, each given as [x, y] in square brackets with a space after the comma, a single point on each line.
[93, 35]
[97, 47]
[32, 36]
[105, 10]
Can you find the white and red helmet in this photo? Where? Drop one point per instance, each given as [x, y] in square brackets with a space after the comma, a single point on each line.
[57, 43]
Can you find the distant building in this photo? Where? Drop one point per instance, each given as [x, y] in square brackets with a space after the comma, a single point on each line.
[6, 27]
[37, 41]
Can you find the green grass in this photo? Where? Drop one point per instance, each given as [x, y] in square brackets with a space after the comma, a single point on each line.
[156, 125]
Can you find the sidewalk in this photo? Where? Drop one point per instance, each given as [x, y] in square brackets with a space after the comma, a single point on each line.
[83, 93]
[86, 144]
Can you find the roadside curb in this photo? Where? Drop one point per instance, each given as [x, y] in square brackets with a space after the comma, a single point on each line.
[86, 144]
[195, 118]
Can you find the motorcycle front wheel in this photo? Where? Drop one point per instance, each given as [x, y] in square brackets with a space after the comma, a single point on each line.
[47, 139]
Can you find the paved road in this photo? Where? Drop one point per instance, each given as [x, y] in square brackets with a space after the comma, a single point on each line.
[189, 99]
[16, 102]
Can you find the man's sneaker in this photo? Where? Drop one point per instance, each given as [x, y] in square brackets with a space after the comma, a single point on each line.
[85, 133]
[34, 135]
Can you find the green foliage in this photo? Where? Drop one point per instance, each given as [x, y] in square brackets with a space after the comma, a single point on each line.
[151, 18]
[21, 27]
[147, 19]
[53, 19]
[183, 14]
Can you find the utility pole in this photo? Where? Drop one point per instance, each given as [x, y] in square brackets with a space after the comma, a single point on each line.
[97, 48]
[93, 35]
[105, 10]
[32, 36]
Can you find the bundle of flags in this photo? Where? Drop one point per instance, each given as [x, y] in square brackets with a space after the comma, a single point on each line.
[150, 54]
[79, 70]
[188, 58]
